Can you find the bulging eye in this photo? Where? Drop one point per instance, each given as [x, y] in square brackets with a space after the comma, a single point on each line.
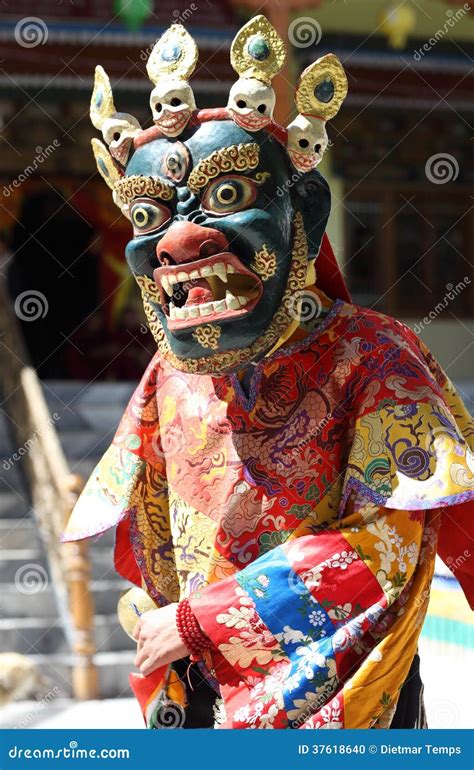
[229, 195]
[147, 216]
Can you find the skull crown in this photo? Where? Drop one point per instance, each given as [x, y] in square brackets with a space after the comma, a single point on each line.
[257, 54]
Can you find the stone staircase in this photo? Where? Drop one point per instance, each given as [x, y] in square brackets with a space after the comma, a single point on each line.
[88, 415]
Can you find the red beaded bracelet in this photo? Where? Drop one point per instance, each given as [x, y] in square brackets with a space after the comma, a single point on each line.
[189, 630]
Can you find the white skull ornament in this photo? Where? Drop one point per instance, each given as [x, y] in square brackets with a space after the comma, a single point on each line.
[251, 103]
[172, 104]
[118, 132]
[307, 142]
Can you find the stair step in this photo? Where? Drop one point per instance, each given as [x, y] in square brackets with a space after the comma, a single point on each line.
[113, 669]
[22, 565]
[100, 417]
[13, 603]
[13, 495]
[15, 561]
[84, 444]
[74, 392]
[18, 533]
[43, 636]
[85, 405]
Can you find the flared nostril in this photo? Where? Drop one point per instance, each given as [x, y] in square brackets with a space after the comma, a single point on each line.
[186, 241]
[164, 258]
[208, 248]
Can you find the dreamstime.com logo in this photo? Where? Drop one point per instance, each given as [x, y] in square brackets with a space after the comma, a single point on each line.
[42, 154]
[304, 306]
[31, 579]
[304, 32]
[31, 32]
[31, 305]
[23, 450]
[452, 18]
[68, 752]
[41, 705]
[452, 292]
[442, 168]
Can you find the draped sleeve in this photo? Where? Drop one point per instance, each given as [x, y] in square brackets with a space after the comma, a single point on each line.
[128, 491]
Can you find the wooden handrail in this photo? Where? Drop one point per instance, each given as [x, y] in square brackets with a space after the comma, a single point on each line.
[53, 491]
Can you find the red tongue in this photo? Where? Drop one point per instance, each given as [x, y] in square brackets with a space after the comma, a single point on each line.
[199, 293]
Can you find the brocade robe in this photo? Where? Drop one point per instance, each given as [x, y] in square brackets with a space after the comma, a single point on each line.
[302, 521]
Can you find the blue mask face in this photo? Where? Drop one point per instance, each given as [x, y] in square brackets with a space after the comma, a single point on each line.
[222, 234]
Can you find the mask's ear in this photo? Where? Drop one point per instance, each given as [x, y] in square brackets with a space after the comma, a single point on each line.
[312, 198]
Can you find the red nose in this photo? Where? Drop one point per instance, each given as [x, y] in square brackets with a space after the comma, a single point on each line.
[186, 242]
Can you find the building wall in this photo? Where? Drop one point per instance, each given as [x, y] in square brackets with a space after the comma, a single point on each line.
[363, 17]
[451, 341]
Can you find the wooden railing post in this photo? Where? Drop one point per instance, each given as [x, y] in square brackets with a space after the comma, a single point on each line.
[78, 573]
[53, 491]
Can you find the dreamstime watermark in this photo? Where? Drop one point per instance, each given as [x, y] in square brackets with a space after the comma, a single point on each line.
[31, 579]
[42, 154]
[179, 17]
[31, 32]
[304, 306]
[453, 291]
[42, 703]
[304, 32]
[25, 448]
[168, 716]
[452, 19]
[168, 442]
[31, 305]
[442, 168]
[444, 714]
[314, 706]
[288, 184]
[455, 563]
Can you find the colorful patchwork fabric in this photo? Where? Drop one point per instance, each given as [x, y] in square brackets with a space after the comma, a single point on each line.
[302, 521]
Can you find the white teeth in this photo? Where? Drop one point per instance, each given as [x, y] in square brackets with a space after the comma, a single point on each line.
[220, 271]
[208, 308]
[166, 285]
[231, 301]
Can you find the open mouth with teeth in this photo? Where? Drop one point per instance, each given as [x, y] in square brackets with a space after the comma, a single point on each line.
[173, 120]
[250, 121]
[212, 289]
[304, 161]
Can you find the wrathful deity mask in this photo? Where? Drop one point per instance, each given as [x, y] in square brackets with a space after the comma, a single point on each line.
[227, 207]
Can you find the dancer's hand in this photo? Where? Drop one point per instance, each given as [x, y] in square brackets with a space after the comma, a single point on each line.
[158, 640]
